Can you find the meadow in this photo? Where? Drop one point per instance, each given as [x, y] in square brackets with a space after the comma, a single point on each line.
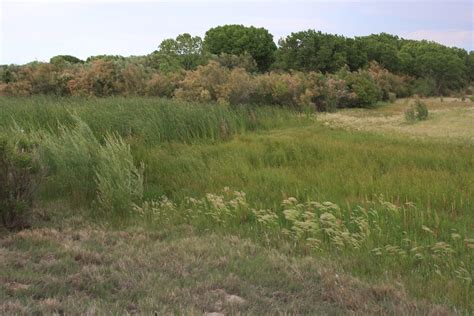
[354, 211]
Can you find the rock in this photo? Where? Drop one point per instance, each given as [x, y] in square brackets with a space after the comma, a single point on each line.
[234, 299]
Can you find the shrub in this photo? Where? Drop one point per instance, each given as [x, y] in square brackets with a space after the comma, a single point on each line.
[19, 176]
[334, 93]
[418, 112]
[421, 110]
[230, 61]
[388, 82]
[366, 90]
[203, 84]
[160, 85]
[239, 87]
[133, 80]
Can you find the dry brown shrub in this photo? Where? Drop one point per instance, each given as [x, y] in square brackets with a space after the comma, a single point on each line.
[239, 87]
[203, 84]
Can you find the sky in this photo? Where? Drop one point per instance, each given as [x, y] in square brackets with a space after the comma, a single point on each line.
[39, 30]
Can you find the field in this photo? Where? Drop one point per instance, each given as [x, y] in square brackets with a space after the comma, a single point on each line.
[243, 210]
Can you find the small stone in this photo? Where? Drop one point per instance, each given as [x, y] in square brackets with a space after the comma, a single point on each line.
[234, 299]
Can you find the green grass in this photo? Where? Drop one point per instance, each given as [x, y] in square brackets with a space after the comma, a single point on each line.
[317, 163]
[152, 121]
[271, 154]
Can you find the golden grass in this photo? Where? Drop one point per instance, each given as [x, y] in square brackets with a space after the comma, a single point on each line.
[450, 120]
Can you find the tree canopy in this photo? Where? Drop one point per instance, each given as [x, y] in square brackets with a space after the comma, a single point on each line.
[431, 60]
[238, 39]
[186, 49]
[313, 51]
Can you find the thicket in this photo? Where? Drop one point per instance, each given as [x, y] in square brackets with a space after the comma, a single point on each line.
[224, 80]
[236, 64]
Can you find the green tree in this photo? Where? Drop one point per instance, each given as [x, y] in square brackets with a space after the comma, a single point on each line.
[238, 39]
[382, 48]
[105, 57]
[313, 51]
[185, 49]
[444, 65]
[61, 60]
[356, 54]
[470, 66]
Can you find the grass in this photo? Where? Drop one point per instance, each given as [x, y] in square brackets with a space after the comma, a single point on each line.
[152, 121]
[191, 152]
[450, 120]
[75, 268]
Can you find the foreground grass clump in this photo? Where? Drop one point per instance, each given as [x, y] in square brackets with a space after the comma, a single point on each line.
[83, 169]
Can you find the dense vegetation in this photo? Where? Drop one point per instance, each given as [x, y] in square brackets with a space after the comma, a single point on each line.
[221, 138]
[236, 64]
[398, 206]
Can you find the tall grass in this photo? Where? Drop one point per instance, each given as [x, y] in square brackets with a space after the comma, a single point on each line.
[150, 120]
[80, 168]
[119, 181]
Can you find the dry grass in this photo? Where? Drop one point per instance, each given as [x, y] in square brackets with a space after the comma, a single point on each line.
[450, 119]
[80, 270]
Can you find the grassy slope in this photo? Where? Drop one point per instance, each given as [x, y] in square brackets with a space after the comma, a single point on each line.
[309, 161]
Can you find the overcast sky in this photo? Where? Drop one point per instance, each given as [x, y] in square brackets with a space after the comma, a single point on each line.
[38, 30]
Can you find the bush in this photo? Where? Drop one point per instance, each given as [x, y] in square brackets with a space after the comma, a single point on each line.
[160, 86]
[238, 89]
[366, 90]
[19, 176]
[230, 61]
[203, 84]
[421, 110]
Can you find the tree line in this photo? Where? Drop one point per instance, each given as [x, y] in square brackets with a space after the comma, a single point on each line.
[421, 67]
